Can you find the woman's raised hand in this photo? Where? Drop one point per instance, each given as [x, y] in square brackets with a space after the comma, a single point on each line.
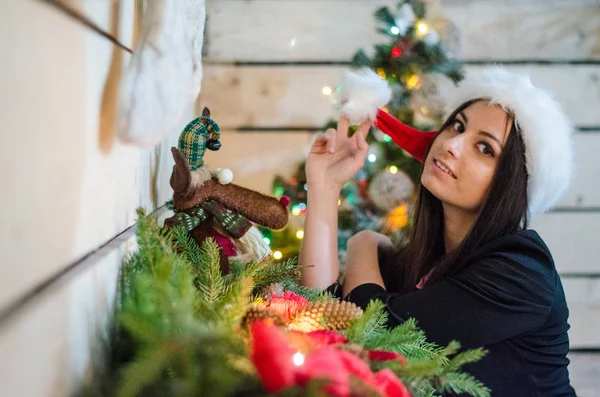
[335, 157]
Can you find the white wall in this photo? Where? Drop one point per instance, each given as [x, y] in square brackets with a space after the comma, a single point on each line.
[68, 187]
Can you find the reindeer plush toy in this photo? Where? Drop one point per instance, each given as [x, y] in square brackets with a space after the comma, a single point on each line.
[208, 205]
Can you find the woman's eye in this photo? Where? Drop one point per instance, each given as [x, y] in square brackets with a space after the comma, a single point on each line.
[485, 149]
[458, 126]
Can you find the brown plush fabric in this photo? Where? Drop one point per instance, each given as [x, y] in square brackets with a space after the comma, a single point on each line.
[181, 177]
[257, 207]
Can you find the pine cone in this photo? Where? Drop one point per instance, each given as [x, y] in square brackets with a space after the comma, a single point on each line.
[328, 314]
[255, 313]
[270, 290]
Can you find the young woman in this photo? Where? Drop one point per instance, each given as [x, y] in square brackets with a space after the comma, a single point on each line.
[472, 270]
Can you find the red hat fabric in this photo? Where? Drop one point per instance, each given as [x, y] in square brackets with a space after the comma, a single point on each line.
[414, 141]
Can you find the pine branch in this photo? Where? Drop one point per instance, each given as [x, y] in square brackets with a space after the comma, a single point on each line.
[269, 272]
[357, 330]
[465, 357]
[419, 387]
[184, 243]
[145, 370]
[463, 383]
[451, 349]
[235, 301]
[311, 294]
[406, 333]
[208, 278]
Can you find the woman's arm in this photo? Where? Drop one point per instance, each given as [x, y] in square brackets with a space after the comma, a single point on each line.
[362, 264]
[319, 254]
[333, 160]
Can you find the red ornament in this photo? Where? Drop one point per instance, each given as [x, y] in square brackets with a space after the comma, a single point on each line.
[325, 337]
[396, 52]
[326, 363]
[272, 356]
[379, 355]
[390, 384]
[287, 305]
[285, 201]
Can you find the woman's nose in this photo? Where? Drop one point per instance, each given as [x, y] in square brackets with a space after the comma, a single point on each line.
[454, 145]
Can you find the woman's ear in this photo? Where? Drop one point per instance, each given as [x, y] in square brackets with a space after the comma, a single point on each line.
[181, 178]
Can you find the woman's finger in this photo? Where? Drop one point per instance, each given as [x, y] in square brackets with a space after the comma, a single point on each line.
[320, 143]
[331, 135]
[361, 134]
[342, 128]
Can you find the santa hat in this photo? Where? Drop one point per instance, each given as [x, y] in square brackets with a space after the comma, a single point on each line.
[546, 130]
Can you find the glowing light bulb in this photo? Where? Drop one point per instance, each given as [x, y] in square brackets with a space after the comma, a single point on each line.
[326, 90]
[381, 73]
[372, 158]
[266, 239]
[300, 234]
[393, 169]
[298, 359]
[413, 81]
[395, 30]
[386, 138]
[422, 28]
[296, 210]
[339, 202]
[277, 255]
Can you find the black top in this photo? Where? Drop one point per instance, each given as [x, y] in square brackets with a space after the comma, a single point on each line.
[509, 300]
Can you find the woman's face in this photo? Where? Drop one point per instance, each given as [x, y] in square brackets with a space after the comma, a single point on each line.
[463, 157]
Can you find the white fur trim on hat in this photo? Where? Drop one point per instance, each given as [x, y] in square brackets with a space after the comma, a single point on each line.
[361, 93]
[546, 130]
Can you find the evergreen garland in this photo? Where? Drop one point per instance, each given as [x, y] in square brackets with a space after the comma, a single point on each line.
[176, 328]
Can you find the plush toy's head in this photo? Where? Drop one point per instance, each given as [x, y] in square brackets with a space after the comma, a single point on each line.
[200, 134]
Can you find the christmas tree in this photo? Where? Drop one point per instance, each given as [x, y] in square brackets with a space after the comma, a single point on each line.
[417, 65]
[183, 328]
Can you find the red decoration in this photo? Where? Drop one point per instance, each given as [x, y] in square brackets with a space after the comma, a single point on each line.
[396, 52]
[325, 337]
[225, 243]
[287, 305]
[390, 384]
[415, 142]
[326, 363]
[272, 356]
[379, 355]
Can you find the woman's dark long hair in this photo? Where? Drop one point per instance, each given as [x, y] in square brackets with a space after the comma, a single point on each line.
[503, 211]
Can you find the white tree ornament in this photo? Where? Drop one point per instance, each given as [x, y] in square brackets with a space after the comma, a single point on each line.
[165, 71]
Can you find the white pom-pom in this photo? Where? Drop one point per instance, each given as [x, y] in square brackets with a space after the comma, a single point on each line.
[361, 93]
[225, 176]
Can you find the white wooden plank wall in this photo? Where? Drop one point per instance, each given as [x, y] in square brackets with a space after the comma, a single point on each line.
[268, 61]
[332, 30]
